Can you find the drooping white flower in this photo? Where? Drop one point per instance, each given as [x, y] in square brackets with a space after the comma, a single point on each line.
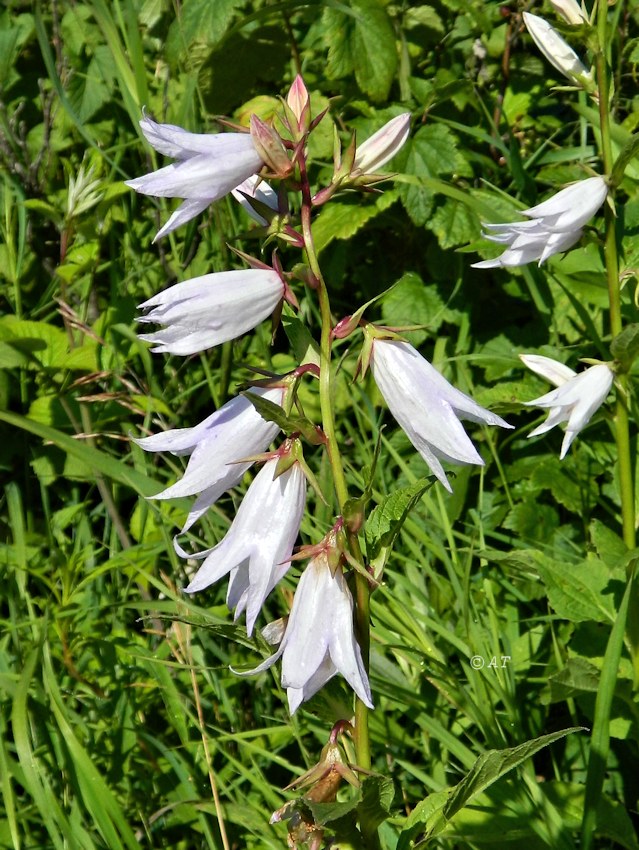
[560, 55]
[576, 398]
[319, 640]
[382, 146]
[257, 548]
[209, 166]
[555, 225]
[570, 11]
[427, 407]
[208, 310]
[233, 432]
[253, 187]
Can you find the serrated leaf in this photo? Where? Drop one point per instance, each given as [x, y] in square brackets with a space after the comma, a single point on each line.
[610, 547]
[550, 474]
[578, 676]
[454, 224]
[378, 793]
[578, 592]
[203, 23]
[361, 39]
[341, 221]
[431, 152]
[411, 302]
[386, 520]
[432, 816]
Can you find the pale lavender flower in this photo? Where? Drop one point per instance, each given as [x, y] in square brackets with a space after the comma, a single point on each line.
[382, 146]
[319, 640]
[577, 397]
[560, 55]
[215, 446]
[208, 310]
[555, 225]
[257, 548]
[209, 166]
[427, 407]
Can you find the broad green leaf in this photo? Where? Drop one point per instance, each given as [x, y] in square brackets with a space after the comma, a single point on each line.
[341, 220]
[577, 677]
[361, 39]
[411, 302]
[47, 346]
[200, 22]
[578, 591]
[431, 817]
[431, 152]
[453, 223]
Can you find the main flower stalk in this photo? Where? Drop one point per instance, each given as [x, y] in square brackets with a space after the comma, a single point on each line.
[362, 588]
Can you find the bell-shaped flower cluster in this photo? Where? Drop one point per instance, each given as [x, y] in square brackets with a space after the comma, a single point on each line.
[197, 314]
[577, 397]
[555, 225]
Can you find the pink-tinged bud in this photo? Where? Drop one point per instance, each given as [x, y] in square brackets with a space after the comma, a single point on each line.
[570, 11]
[270, 147]
[382, 146]
[299, 103]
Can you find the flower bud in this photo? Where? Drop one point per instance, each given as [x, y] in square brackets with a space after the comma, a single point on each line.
[570, 11]
[560, 55]
[270, 147]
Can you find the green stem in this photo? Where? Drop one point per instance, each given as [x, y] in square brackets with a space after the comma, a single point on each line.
[362, 588]
[622, 430]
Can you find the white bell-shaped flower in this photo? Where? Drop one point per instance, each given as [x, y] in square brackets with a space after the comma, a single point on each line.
[427, 407]
[212, 309]
[257, 548]
[208, 166]
[215, 446]
[577, 397]
[319, 640]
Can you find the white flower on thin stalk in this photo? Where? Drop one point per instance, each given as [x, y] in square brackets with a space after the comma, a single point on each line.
[382, 146]
[427, 407]
[215, 446]
[319, 640]
[208, 166]
[257, 548]
[577, 397]
[555, 225]
[212, 309]
[560, 55]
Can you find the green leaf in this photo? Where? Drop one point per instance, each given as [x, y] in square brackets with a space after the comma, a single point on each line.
[577, 677]
[625, 346]
[386, 520]
[411, 302]
[431, 152]
[342, 221]
[454, 224]
[578, 591]
[432, 816]
[378, 793]
[361, 38]
[47, 346]
[200, 22]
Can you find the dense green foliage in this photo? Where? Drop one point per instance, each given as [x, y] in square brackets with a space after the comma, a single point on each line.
[121, 725]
